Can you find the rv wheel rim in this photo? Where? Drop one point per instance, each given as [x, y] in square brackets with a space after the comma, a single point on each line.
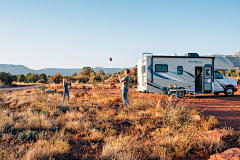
[229, 91]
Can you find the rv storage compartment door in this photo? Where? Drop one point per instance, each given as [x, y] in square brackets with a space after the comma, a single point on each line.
[208, 78]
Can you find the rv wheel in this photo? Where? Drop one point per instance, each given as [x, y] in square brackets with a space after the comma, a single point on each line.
[216, 94]
[229, 91]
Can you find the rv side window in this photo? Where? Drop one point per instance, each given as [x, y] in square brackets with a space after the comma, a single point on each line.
[143, 69]
[161, 68]
[179, 70]
[217, 75]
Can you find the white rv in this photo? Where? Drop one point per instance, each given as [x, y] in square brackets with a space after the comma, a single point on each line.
[194, 73]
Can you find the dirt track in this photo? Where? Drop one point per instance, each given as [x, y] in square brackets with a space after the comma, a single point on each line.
[16, 88]
[226, 109]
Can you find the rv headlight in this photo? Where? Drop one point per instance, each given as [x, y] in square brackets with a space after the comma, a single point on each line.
[209, 80]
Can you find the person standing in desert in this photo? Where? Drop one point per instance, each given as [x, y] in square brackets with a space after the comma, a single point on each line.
[125, 83]
[65, 91]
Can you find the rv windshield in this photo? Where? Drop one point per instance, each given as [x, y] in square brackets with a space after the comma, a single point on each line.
[217, 75]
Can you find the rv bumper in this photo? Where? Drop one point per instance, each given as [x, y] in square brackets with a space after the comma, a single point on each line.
[141, 90]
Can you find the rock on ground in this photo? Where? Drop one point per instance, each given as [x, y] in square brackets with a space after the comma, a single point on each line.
[230, 154]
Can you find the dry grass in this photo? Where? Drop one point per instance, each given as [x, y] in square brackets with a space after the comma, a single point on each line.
[43, 149]
[97, 126]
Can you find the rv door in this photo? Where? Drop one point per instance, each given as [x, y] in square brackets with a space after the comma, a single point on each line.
[207, 78]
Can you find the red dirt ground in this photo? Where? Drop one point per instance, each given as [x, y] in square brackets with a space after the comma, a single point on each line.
[225, 109]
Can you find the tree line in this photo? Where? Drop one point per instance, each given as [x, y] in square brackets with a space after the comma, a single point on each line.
[86, 75]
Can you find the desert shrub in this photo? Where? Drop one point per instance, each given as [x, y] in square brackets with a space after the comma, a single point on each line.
[20, 78]
[94, 135]
[210, 122]
[82, 79]
[57, 78]
[43, 149]
[43, 76]
[74, 74]
[127, 144]
[35, 121]
[28, 76]
[95, 78]
[113, 78]
[231, 73]
[76, 122]
[110, 132]
[238, 72]
[33, 77]
[14, 78]
[6, 120]
[6, 78]
[86, 71]
[6, 137]
[41, 81]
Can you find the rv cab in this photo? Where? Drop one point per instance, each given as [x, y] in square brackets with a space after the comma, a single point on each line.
[224, 84]
[193, 73]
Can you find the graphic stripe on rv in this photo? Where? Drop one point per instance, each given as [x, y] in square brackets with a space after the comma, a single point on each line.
[223, 60]
[189, 73]
[221, 84]
[164, 76]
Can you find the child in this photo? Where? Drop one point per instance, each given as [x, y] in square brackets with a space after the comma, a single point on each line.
[169, 87]
[177, 94]
[175, 86]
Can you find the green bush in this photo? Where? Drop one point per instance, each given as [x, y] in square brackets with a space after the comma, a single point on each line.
[57, 78]
[82, 79]
[231, 73]
[14, 78]
[6, 78]
[41, 81]
[20, 78]
[43, 76]
[95, 78]
[86, 71]
[32, 77]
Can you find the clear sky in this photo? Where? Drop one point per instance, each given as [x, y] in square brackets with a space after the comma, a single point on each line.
[77, 33]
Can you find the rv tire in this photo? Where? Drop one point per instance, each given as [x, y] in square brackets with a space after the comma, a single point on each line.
[229, 91]
[216, 94]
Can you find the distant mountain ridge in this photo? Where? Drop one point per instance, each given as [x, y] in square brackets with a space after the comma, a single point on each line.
[21, 69]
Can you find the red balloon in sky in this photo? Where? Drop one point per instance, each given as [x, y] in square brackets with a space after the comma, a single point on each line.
[110, 59]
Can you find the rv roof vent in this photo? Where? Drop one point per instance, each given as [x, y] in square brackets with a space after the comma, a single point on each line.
[192, 54]
[174, 54]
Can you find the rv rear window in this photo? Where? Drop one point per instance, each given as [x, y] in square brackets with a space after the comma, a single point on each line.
[161, 68]
[179, 70]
